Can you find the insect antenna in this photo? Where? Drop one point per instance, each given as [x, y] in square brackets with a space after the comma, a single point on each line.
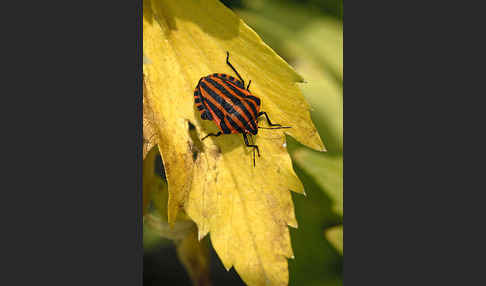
[233, 68]
[281, 127]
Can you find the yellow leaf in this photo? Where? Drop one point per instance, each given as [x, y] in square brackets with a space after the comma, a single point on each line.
[149, 129]
[247, 210]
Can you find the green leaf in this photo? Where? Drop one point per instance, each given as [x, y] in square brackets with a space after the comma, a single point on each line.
[317, 262]
[335, 236]
[326, 170]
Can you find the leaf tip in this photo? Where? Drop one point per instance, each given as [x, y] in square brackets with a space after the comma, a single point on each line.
[227, 267]
[322, 147]
[294, 224]
[200, 235]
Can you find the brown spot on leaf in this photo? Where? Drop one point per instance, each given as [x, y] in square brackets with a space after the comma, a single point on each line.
[195, 144]
[216, 152]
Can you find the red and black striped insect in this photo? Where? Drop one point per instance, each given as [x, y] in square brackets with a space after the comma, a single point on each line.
[232, 107]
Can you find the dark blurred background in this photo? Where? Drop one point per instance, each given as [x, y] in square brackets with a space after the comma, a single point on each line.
[308, 34]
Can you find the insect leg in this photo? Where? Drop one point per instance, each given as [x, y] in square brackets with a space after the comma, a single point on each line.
[251, 145]
[253, 150]
[248, 87]
[212, 134]
[268, 119]
[270, 122]
[254, 165]
[233, 68]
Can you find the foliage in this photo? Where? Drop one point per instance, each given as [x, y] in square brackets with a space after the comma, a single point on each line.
[246, 210]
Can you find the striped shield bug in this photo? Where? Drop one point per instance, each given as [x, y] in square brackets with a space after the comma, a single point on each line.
[232, 107]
